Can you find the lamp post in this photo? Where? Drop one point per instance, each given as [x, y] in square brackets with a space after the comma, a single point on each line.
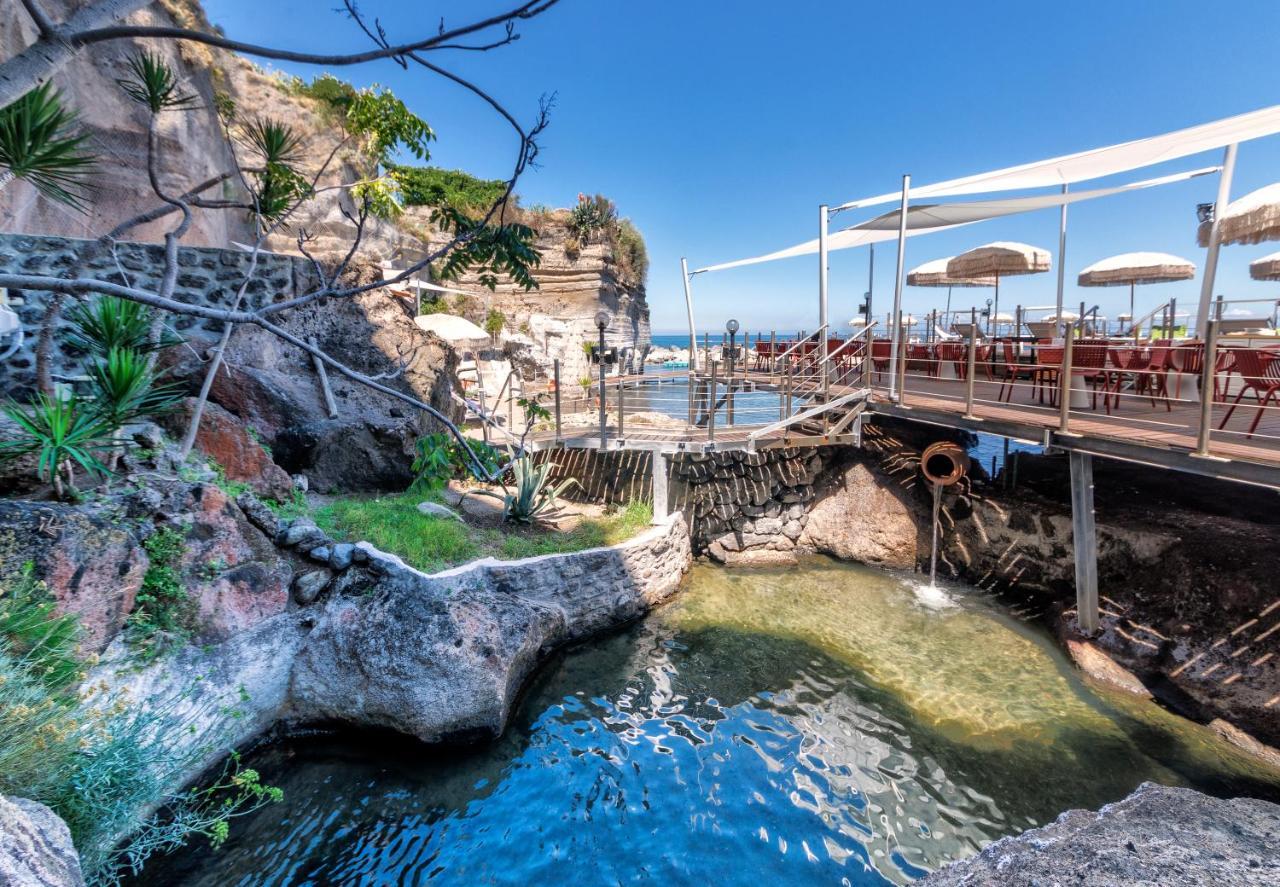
[602, 321]
[732, 329]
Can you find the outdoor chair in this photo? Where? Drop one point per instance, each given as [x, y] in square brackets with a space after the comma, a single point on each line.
[1045, 372]
[957, 353]
[1009, 371]
[881, 351]
[1089, 362]
[1260, 369]
[1128, 364]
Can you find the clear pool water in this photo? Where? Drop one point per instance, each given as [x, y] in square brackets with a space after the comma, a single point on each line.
[824, 725]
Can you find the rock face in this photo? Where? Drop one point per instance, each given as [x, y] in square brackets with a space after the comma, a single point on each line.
[92, 564]
[225, 439]
[863, 516]
[1171, 837]
[35, 847]
[442, 657]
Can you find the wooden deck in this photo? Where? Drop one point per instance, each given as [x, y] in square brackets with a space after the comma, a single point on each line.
[1135, 431]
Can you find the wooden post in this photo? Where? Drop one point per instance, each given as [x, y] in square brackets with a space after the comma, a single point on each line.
[971, 364]
[556, 369]
[711, 410]
[621, 407]
[1084, 540]
[1206, 386]
[1064, 380]
[661, 468]
[329, 403]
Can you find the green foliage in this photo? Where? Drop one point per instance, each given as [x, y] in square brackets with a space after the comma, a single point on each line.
[40, 142]
[494, 321]
[62, 433]
[278, 186]
[433, 186]
[488, 250]
[296, 506]
[374, 116]
[380, 197]
[125, 388]
[531, 493]
[394, 524]
[151, 82]
[630, 254]
[101, 760]
[162, 611]
[109, 323]
[440, 458]
[33, 632]
[591, 216]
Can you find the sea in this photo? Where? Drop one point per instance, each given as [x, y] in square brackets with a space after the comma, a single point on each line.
[681, 340]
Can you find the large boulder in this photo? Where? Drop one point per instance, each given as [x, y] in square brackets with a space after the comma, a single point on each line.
[1172, 837]
[231, 570]
[443, 657]
[862, 516]
[91, 561]
[227, 440]
[35, 847]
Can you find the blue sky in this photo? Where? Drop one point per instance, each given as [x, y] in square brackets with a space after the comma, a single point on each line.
[719, 127]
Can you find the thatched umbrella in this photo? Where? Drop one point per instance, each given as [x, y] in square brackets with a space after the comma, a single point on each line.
[1000, 259]
[1132, 269]
[935, 274]
[453, 329]
[1253, 218]
[1266, 268]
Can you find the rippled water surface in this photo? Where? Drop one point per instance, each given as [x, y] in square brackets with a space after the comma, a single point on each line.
[825, 725]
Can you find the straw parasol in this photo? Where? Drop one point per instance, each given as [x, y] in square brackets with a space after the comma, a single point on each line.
[1253, 218]
[1266, 268]
[1132, 269]
[453, 329]
[1000, 259]
[935, 274]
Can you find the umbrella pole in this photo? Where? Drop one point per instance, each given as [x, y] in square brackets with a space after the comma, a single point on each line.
[995, 310]
[1132, 285]
[688, 306]
[897, 291]
[1211, 258]
[946, 315]
[1062, 257]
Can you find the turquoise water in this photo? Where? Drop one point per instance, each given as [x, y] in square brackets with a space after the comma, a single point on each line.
[823, 725]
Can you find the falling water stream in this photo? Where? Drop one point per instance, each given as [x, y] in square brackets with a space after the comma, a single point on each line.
[824, 725]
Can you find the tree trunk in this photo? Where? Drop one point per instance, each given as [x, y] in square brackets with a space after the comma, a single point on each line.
[48, 55]
[44, 344]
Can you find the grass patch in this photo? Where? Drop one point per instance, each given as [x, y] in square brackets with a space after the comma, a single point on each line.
[394, 524]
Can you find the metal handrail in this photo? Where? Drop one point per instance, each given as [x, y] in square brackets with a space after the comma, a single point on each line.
[820, 330]
[861, 393]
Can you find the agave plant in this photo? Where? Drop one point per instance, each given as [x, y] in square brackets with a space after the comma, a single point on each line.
[531, 494]
[40, 142]
[109, 323]
[151, 82]
[63, 434]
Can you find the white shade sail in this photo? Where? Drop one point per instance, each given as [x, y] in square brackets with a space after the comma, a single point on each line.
[1099, 162]
[929, 219]
[453, 329]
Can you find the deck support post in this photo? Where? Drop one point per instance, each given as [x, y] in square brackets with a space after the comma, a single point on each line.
[1064, 380]
[1207, 385]
[556, 370]
[1084, 539]
[661, 472]
[688, 307]
[971, 364]
[711, 407]
[898, 333]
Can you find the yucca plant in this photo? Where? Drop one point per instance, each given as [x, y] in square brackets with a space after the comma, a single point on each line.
[151, 82]
[40, 142]
[62, 434]
[530, 494]
[125, 387]
[273, 141]
[109, 323]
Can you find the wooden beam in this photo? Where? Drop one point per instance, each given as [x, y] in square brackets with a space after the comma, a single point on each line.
[1084, 540]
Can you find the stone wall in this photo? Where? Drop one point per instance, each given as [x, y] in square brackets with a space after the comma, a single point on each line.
[209, 277]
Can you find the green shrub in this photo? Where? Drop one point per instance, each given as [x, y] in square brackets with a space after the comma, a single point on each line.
[432, 186]
[592, 216]
[531, 493]
[103, 761]
[494, 321]
[31, 629]
[440, 458]
[162, 613]
[630, 254]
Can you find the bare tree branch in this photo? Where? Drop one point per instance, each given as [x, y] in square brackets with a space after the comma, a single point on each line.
[38, 15]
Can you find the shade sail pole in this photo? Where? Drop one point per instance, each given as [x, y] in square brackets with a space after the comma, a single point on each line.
[688, 305]
[823, 222]
[1062, 262]
[1211, 258]
[871, 277]
[897, 292]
